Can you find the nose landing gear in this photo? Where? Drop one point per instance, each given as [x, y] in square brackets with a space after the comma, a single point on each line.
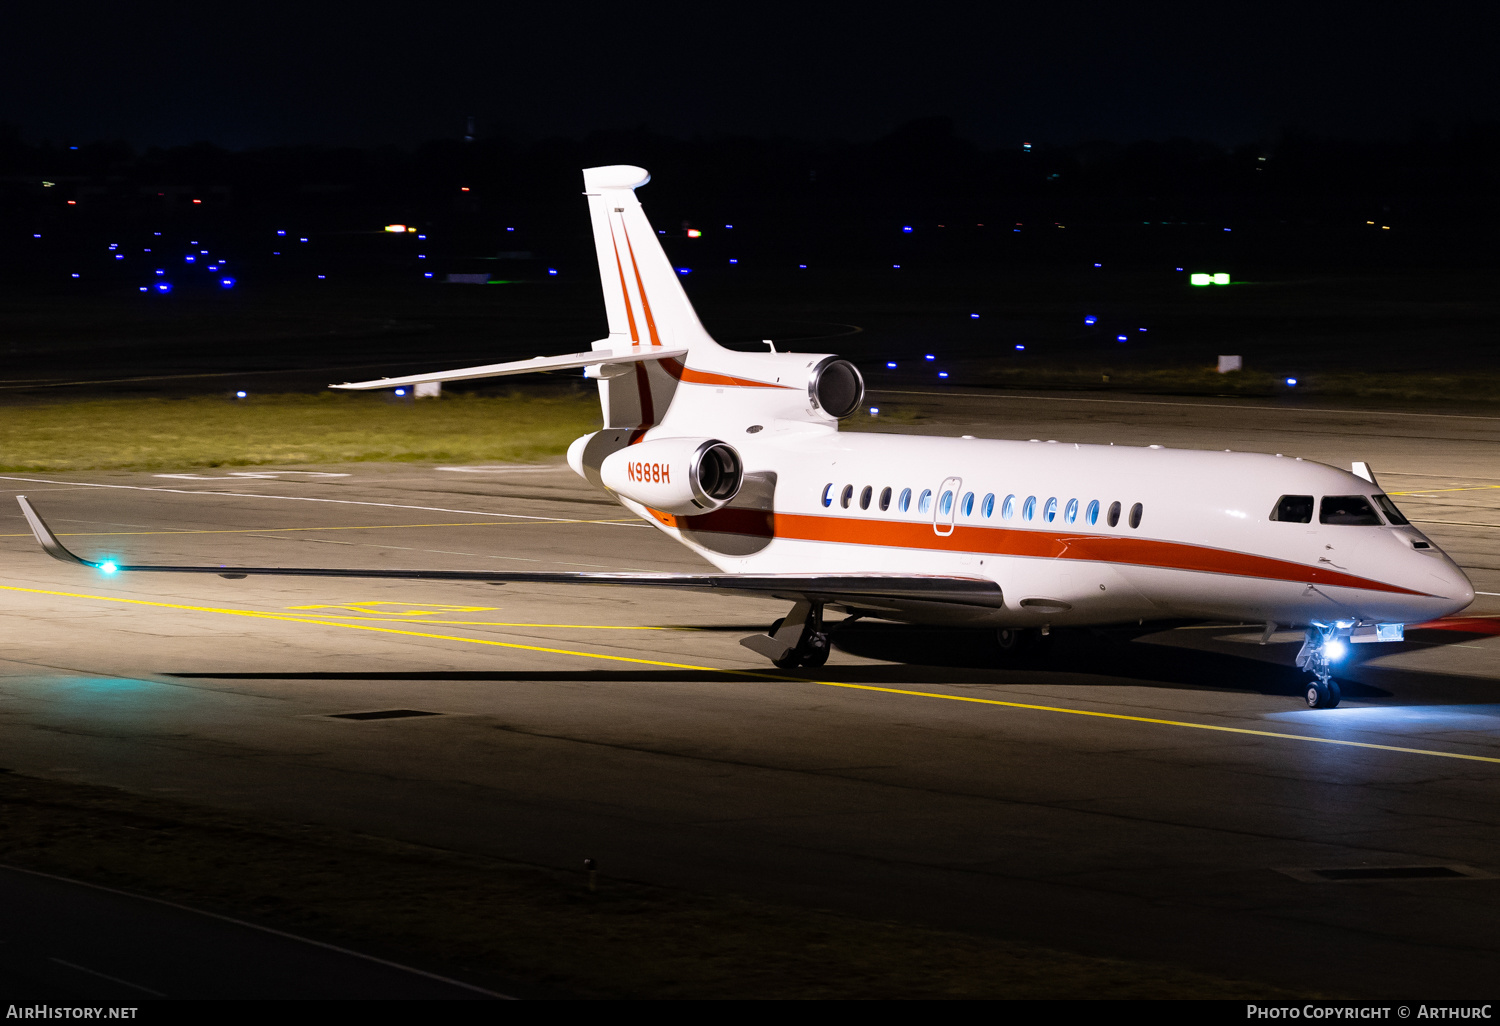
[1319, 650]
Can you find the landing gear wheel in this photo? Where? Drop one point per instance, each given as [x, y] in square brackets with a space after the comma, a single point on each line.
[1323, 696]
[816, 654]
[1010, 639]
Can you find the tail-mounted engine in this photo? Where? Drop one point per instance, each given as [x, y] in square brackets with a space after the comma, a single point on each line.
[835, 387]
[675, 475]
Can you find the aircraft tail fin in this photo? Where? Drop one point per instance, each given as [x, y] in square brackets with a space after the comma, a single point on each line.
[643, 295]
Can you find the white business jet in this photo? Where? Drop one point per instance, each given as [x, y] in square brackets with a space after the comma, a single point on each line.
[739, 457]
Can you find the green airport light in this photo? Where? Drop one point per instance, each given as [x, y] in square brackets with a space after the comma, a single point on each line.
[1200, 278]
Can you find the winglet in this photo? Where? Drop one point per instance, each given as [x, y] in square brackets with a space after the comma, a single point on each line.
[47, 539]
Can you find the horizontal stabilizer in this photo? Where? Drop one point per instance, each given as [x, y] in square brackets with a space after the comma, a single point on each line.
[567, 361]
[836, 588]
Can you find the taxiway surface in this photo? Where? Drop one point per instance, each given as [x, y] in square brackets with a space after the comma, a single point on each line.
[1166, 798]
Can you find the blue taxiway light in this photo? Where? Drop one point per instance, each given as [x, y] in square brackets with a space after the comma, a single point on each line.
[906, 228]
[1090, 320]
[1098, 265]
[929, 356]
[684, 270]
[427, 275]
[731, 259]
[942, 374]
[164, 286]
[1291, 381]
[874, 411]
[400, 391]
[227, 283]
[891, 364]
[1120, 338]
[552, 270]
[1020, 347]
[973, 317]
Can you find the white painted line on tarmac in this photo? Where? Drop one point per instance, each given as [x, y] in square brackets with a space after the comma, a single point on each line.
[106, 976]
[509, 469]
[254, 495]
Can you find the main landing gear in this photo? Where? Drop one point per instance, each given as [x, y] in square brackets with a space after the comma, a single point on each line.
[1319, 650]
[797, 639]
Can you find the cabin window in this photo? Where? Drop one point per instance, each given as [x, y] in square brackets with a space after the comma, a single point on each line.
[1114, 514]
[1049, 511]
[987, 507]
[924, 501]
[1349, 510]
[1008, 509]
[828, 494]
[1391, 512]
[946, 503]
[1135, 515]
[1092, 515]
[905, 503]
[848, 494]
[1294, 509]
[1071, 513]
[885, 499]
[864, 497]
[1028, 510]
[968, 504]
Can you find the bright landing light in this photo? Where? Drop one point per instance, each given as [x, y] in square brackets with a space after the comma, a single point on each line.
[1334, 650]
[108, 567]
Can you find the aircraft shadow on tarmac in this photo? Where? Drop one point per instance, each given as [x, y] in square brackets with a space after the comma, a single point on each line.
[915, 655]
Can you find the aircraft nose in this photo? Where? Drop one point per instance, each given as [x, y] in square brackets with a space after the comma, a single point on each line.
[1450, 583]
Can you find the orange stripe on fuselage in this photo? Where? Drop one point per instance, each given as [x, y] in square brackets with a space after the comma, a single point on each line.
[682, 372]
[1002, 541]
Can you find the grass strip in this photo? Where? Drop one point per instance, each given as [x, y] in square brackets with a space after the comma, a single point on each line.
[496, 922]
[151, 434]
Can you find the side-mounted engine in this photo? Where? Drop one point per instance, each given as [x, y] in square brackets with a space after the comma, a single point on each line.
[675, 475]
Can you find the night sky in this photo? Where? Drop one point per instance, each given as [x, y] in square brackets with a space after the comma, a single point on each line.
[248, 75]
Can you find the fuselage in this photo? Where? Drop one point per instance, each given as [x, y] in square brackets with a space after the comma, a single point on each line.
[1192, 533]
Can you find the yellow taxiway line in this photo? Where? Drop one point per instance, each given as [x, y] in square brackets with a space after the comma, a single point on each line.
[1030, 706]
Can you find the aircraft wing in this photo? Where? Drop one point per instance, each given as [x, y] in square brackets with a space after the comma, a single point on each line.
[567, 361]
[866, 590]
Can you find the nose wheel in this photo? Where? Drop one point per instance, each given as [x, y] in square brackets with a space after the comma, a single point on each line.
[1323, 694]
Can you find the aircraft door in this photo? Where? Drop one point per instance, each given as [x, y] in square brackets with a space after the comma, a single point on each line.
[945, 506]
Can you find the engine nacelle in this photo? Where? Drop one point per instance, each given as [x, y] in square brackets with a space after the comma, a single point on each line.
[835, 387]
[675, 475]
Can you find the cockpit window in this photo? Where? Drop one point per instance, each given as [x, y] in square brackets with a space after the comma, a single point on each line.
[1295, 509]
[1391, 512]
[1349, 510]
